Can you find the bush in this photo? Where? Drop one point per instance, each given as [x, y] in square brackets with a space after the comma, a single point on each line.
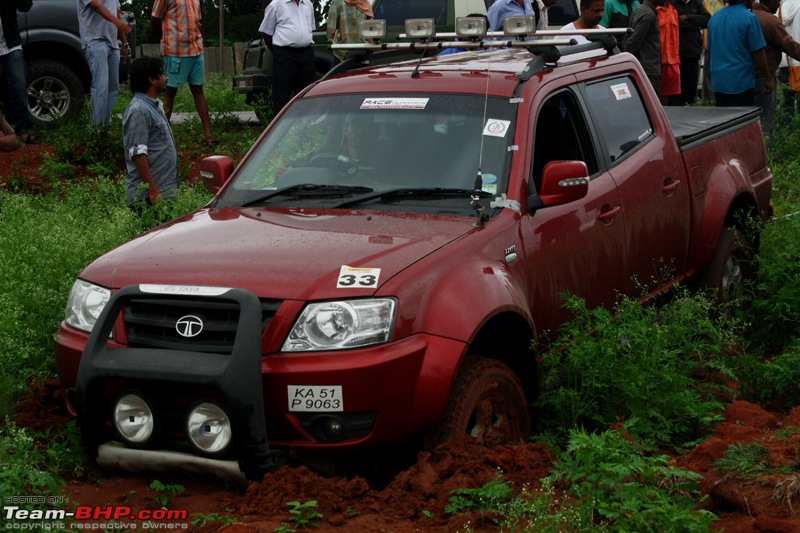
[636, 363]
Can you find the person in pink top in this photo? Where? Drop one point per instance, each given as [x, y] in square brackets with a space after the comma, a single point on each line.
[670, 55]
[182, 51]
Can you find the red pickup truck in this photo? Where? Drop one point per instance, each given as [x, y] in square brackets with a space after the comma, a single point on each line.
[377, 267]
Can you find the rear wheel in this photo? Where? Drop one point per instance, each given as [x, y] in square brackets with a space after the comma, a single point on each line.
[487, 406]
[54, 91]
[730, 269]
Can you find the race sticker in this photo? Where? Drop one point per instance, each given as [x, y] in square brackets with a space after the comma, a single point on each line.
[358, 278]
[394, 103]
[496, 128]
[621, 91]
[315, 398]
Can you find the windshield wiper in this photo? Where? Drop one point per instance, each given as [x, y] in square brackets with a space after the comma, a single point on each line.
[308, 189]
[431, 192]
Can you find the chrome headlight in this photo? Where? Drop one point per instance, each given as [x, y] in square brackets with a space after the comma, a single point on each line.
[85, 303]
[343, 324]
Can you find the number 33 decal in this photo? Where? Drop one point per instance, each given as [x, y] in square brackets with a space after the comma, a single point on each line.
[359, 278]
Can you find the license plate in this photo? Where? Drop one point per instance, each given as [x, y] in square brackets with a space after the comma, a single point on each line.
[315, 398]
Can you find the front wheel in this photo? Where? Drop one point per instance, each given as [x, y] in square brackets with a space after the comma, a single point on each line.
[487, 406]
[54, 91]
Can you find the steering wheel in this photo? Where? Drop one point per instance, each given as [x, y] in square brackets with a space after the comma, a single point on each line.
[325, 159]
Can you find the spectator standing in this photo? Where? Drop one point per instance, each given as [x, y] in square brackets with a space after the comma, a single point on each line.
[287, 28]
[544, 20]
[13, 64]
[101, 27]
[617, 14]
[778, 42]
[8, 139]
[150, 155]
[737, 45]
[670, 58]
[589, 19]
[179, 22]
[645, 42]
[692, 19]
[789, 15]
[511, 8]
[712, 6]
[343, 19]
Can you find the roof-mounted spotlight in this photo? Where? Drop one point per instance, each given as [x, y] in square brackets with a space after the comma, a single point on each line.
[471, 27]
[372, 29]
[519, 25]
[420, 28]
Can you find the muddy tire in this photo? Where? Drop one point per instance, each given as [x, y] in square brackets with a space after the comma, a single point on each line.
[54, 91]
[487, 406]
[731, 268]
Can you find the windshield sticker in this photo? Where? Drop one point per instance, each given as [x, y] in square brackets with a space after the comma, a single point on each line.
[489, 183]
[394, 103]
[496, 128]
[358, 278]
[621, 91]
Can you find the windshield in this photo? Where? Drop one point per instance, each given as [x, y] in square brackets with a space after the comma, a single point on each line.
[399, 152]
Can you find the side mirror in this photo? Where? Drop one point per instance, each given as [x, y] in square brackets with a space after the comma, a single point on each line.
[562, 182]
[215, 171]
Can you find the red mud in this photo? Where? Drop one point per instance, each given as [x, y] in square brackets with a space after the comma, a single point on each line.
[415, 499]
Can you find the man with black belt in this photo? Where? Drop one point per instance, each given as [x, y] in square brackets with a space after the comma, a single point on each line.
[287, 28]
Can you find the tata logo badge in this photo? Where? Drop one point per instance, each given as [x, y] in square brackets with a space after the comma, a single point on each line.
[189, 326]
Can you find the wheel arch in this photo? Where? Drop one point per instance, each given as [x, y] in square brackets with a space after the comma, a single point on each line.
[70, 57]
[511, 332]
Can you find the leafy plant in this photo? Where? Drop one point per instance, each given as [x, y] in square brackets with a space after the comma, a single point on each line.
[541, 511]
[165, 493]
[27, 466]
[746, 461]
[628, 490]
[202, 519]
[636, 362]
[487, 497]
[304, 515]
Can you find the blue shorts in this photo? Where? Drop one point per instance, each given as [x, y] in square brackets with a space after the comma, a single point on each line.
[182, 69]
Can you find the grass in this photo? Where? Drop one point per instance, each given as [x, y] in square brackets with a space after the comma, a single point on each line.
[218, 90]
[635, 364]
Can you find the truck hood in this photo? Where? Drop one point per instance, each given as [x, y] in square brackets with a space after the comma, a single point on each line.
[277, 253]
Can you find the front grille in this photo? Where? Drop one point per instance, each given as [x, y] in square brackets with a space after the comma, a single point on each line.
[154, 323]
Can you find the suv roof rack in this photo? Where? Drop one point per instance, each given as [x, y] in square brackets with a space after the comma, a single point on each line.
[547, 52]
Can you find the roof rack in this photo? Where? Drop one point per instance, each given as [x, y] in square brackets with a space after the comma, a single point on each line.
[422, 35]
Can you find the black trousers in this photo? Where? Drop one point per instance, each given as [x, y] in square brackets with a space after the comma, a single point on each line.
[292, 70]
[690, 73]
[746, 98]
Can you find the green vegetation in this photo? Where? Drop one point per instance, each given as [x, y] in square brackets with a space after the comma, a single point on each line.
[636, 363]
[660, 372]
[304, 516]
[166, 492]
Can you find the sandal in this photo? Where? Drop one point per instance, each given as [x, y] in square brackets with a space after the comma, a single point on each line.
[28, 138]
[211, 141]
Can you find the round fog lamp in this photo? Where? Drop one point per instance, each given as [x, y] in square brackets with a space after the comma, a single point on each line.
[209, 428]
[133, 419]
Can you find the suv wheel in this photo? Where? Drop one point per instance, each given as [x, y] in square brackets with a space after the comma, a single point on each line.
[54, 91]
[487, 406]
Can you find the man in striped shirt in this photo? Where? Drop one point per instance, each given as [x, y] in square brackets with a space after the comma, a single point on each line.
[182, 51]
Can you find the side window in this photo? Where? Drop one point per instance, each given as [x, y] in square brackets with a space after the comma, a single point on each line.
[622, 120]
[395, 12]
[561, 134]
